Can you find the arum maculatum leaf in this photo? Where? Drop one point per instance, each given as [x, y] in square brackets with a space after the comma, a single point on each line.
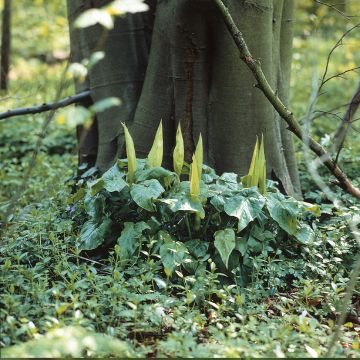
[225, 243]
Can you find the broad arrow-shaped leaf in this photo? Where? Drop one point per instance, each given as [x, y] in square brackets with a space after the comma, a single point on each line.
[283, 211]
[92, 234]
[225, 244]
[245, 206]
[129, 238]
[114, 179]
[145, 192]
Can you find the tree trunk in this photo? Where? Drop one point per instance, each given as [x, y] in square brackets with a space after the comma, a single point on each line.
[5, 45]
[192, 74]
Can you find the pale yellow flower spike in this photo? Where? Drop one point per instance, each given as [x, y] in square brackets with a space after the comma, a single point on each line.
[155, 156]
[131, 155]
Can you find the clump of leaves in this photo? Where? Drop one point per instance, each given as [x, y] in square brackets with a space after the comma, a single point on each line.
[148, 211]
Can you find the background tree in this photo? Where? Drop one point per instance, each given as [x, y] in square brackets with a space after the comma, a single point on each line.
[188, 70]
[5, 45]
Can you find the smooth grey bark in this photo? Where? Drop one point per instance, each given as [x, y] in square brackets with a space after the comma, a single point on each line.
[191, 73]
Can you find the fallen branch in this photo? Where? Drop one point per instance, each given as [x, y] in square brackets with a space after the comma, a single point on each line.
[279, 106]
[46, 107]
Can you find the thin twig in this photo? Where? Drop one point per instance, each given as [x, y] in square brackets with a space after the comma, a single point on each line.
[333, 7]
[337, 44]
[346, 121]
[279, 106]
[46, 107]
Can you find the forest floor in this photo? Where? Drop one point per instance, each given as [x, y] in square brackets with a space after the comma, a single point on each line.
[49, 288]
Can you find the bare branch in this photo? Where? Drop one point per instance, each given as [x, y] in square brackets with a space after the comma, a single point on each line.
[46, 107]
[279, 106]
[333, 7]
[343, 128]
[337, 44]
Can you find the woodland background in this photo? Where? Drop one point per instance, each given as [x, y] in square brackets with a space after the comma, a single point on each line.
[46, 286]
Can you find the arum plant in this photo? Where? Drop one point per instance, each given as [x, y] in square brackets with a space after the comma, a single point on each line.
[178, 154]
[155, 156]
[195, 178]
[130, 154]
[257, 170]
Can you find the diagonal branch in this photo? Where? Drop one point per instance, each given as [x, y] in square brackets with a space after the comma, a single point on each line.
[279, 106]
[46, 107]
[344, 126]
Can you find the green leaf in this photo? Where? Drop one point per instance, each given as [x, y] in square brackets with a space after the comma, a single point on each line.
[225, 244]
[114, 179]
[197, 247]
[185, 203]
[129, 238]
[241, 245]
[283, 211]
[92, 234]
[94, 16]
[96, 186]
[178, 155]
[254, 245]
[172, 254]
[305, 234]
[155, 156]
[245, 206]
[158, 173]
[229, 180]
[145, 192]
[105, 104]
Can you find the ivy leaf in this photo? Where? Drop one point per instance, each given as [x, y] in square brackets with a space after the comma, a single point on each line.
[225, 244]
[283, 211]
[172, 254]
[129, 238]
[245, 206]
[114, 179]
[92, 234]
[145, 192]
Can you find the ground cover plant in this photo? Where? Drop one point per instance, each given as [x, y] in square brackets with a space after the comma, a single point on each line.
[220, 267]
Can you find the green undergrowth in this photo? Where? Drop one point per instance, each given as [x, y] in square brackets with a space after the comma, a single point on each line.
[287, 306]
[176, 291]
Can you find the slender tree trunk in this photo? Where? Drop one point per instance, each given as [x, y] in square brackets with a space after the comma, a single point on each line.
[5, 45]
